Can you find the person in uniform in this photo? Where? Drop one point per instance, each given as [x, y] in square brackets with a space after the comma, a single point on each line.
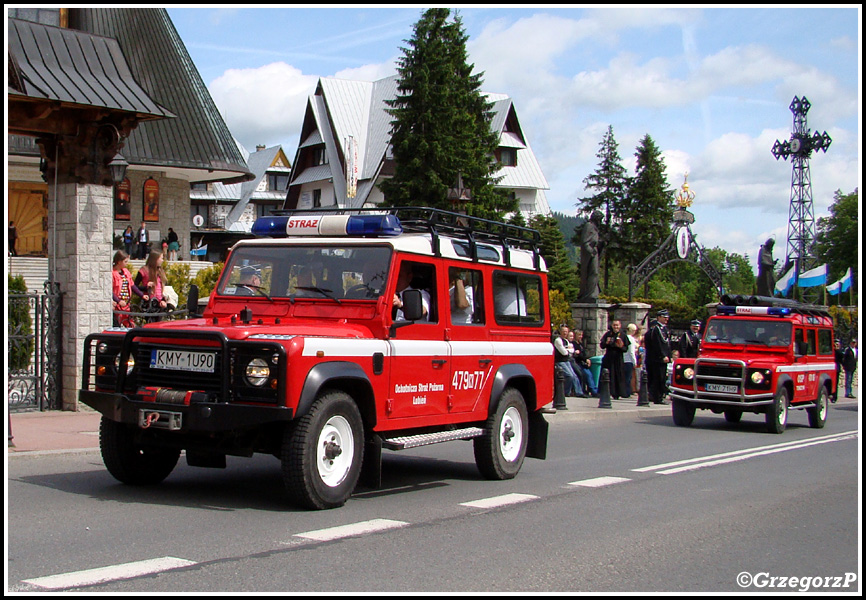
[658, 355]
[690, 341]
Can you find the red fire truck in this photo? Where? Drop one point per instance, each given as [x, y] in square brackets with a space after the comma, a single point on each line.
[759, 355]
[333, 336]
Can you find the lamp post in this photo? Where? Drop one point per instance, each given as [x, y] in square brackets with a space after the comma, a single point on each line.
[459, 195]
[118, 166]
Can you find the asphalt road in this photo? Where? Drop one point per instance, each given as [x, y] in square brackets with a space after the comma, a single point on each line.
[621, 505]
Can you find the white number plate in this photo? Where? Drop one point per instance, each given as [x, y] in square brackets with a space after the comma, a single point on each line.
[182, 360]
[726, 389]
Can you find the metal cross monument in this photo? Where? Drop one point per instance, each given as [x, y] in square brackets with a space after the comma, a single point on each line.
[801, 214]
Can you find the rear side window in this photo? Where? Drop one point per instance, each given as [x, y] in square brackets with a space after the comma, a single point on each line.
[825, 341]
[517, 299]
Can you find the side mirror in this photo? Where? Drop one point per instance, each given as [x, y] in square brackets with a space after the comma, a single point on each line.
[413, 306]
[192, 302]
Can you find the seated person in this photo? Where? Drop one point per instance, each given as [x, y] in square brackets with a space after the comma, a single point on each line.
[250, 280]
[304, 285]
[461, 300]
[404, 282]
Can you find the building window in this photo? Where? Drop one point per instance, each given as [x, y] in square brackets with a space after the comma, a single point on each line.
[278, 182]
[508, 157]
[320, 156]
[317, 198]
[200, 187]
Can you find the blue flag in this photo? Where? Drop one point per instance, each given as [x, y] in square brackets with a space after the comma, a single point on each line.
[787, 281]
[814, 277]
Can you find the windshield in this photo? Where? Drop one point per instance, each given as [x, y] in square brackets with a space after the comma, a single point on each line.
[335, 272]
[741, 331]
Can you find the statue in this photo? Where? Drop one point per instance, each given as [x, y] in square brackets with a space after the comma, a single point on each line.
[766, 269]
[590, 248]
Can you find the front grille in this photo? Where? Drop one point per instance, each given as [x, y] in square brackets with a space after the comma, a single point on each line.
[720, 371]
[145, 376]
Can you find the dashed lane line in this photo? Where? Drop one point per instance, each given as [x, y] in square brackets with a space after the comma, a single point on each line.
[355, 529]
[497, 501]
[599, 481]
[106, 574]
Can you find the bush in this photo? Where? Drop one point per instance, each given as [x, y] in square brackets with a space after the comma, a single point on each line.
[206, 279]
[19, 325]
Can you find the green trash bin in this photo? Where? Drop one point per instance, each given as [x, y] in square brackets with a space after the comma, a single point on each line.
[595, 368]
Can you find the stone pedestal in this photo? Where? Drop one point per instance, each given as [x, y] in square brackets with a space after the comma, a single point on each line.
[79, 259]
[592, 319]
[632, 312]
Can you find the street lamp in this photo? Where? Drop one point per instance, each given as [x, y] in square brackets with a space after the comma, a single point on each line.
[459, 195]
[117, 166]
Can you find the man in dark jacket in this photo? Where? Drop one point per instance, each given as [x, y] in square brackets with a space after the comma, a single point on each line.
[690, 341]
[658, 355]
[849, 363]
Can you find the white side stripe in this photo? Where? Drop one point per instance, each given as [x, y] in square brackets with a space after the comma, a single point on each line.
[343, 531]
[499, 501]
[113, 573]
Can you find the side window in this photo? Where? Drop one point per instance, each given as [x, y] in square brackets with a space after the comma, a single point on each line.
[825, 341]
[811, 346]
[517, 298]
[418, 276]
[465, 296]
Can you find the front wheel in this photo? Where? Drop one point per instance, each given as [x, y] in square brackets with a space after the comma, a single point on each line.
[499, 453]
[322, 453]
[130, 463]
[818, 414]
[682, 412]
[776, 417]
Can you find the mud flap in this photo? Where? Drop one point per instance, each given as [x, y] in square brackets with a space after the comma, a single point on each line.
[537, 444]
[371, 470]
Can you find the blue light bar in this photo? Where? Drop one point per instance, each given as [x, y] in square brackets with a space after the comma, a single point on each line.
[327, 225]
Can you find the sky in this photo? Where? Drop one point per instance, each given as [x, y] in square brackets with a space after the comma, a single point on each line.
[712, 86]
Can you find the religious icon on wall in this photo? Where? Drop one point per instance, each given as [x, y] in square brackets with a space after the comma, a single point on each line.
[151, 200]
[121, 201]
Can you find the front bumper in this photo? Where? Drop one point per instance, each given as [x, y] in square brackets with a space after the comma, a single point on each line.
[206, 417]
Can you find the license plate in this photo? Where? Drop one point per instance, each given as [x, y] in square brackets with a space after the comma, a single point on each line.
[183, 360]
[725, 389]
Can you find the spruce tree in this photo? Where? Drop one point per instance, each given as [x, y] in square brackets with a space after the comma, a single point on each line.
[441, 124]
[561, 274]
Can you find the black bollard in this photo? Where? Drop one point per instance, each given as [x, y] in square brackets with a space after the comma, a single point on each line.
[642, 399]
[604, 389]
[559, 390]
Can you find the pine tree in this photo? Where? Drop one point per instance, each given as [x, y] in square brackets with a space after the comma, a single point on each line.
[561, 274]
[648, 212]
[441, 124]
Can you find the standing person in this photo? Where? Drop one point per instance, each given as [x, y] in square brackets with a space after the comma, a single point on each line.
[562, 362]
[630, 359]
[690, 341]
[658, 355]
[152, 277]
[128, 239]
[583, 363]
[143, 237]
[838, 358]
[13, 239]
[849, 363]
[615, 344]
[122, 288]
[173, 245]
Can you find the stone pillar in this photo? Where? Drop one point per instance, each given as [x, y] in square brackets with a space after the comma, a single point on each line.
[633, 312]
[79, 259]
[592, 319]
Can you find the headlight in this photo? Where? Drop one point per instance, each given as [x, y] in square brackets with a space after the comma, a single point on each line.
[257, 372]
[757, 377]
[689, 373]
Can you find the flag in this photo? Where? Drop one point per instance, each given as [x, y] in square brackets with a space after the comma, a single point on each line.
[813, 278]
[787, 281]
[843, 285]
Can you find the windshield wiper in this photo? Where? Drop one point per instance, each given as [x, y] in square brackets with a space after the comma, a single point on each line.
[327, 293]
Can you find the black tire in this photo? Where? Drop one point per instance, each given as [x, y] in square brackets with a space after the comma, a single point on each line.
[776, 416]
[682, 412]
[733, 415]
[129, 463]
[499, 453]
[323, 452]
[818, 414]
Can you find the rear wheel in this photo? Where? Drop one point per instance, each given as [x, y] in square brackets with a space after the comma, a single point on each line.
[777, 413]
[499, 453]
[322, 453]
[683, 413]
[129, 462]
[818, 414]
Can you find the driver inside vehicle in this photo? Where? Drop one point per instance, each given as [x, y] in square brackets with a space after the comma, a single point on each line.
[250, 279]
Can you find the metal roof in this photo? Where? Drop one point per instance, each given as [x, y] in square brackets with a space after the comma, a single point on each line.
[72, 67]
[198, 138]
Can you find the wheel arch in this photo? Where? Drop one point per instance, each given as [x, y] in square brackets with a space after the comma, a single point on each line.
[345, 376]
[518, 377]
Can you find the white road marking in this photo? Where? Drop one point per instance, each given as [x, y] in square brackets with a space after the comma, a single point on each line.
[496, 501]
[737, 455]
[112, 573]
[599, 481]
[343, 531]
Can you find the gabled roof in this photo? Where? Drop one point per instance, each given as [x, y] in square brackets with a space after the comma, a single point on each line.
[199, 138]
[358, 109]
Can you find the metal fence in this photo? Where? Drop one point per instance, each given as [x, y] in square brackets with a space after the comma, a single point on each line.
[34, 328]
